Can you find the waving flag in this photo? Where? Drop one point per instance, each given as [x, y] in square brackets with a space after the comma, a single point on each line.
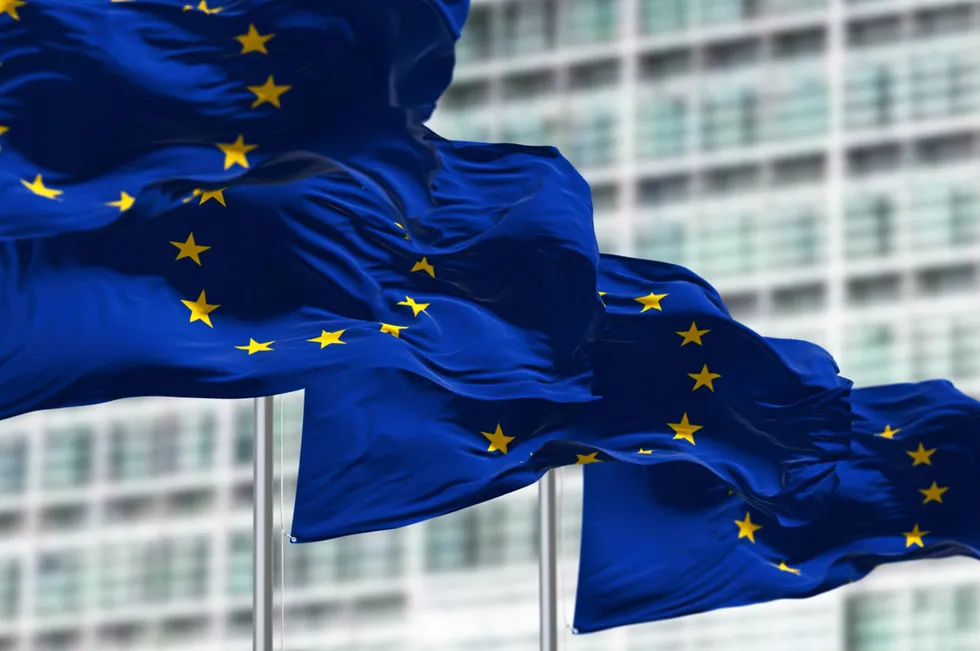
[674, 541]
[229, 199]
[677, 379]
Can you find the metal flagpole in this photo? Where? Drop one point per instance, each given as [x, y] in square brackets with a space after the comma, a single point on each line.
[262, 529]
[548, 563]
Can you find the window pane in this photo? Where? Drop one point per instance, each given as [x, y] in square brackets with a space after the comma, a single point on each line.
[67, 457]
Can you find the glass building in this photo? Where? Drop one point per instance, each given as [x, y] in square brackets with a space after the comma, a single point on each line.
[817, 160]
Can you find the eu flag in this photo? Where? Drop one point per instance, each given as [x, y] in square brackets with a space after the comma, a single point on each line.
[677, 380]
[226, 199]
[672, 541]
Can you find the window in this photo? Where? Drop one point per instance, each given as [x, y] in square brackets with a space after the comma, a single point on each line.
[730, 119]
[874, 159]
[870, 227]
[59, 583]
[449, 541]
[665, 16]
[156, 571]
[662, 128]
[589, 21]
[871, 291]
[733, 54]
[798, 171]
[795, 238]
[874, 32]
[944, 215]
[869, 353]
[945, 84]
[945, 20]
[9, 589]
[528, 27]
[804, 43]
[719, 12]
[590, 136]
[727, 245]
[13, 465]
[732, 180]
[243, 432]
[665, 190]
[240, 563]
[943, 150]
[798, 300]
[800, 111]
[662, 240]
[67, 457]
[871, 94]
[369, 556]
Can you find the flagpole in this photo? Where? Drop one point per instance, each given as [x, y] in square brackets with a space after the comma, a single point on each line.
[548, 563]
[262, 526]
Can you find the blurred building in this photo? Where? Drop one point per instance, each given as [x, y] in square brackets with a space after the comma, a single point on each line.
[817, 160]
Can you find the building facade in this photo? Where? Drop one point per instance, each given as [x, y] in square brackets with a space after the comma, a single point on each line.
[817, 160]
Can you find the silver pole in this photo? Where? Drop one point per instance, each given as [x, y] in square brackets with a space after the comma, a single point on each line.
[548, 563]
[262, 530]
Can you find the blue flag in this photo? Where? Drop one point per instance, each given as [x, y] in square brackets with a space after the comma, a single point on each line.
[228, 200]
[677, 380]
[672, 541]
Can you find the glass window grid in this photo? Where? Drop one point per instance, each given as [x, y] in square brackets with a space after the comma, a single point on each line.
[944, 214]
[161, 446]
[665, 16]
[871, 353]
[875, 92]
[589, 135]
[474, 45]
[13, 465]
[67, 457]
[531, 123]
[946, 345]
[9, 589]
[871, 224]
[60, 582]
[945, 80]
[583, 22]
[527, 26]
[239, 579]
[663, 123]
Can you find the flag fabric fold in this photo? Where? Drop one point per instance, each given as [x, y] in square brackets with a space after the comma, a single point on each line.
[677, 379]
[227, 200]
[670, 541]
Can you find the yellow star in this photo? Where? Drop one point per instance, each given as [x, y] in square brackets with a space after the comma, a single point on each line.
[190, 249]
[235, 152]
[403, 228]
[268, 93]
[642, 451]
[915, 536]
[125, 202]
[37, 187]
[255, 346]
[704, 378]
[586, 459]
[497, 440]
[393, 330]
[747, 528]
[3, 129]
[327, 338]
[416, 307]
[200, 310]
[601, 294]
[9, 7]
[207, 195]
[783, 567]
[684, 429]
[889, 432]
[423, 265]
[253, 41]
[692, 335]
[203, 6]
[934, 493]
[650, 302]
[921, 456]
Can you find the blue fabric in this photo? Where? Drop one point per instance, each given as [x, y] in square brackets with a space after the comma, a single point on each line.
[664, 542]
[382, 450]
[347, 214]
